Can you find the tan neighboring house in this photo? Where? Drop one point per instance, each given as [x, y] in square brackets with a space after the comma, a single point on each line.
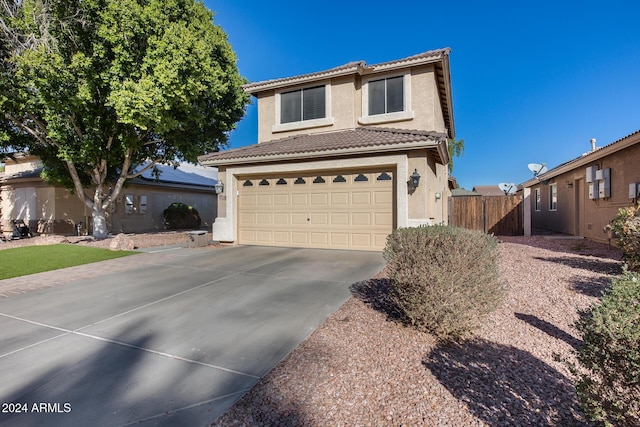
[49, 209]
[335, 156]
[580, 197]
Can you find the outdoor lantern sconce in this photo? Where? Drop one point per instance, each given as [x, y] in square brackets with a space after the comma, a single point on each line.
[415, 178]
[219, 187]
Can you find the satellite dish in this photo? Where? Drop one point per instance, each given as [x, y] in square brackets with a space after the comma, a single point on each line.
[537, 169]
[508, 188]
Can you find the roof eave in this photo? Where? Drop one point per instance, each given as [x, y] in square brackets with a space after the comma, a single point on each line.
[439, 146]
[254, 88]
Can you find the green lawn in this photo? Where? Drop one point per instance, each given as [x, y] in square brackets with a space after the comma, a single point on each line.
[36, 259]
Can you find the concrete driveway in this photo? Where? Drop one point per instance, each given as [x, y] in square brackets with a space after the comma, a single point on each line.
[174, 341]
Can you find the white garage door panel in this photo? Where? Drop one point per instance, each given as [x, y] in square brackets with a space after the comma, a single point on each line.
[346, 210]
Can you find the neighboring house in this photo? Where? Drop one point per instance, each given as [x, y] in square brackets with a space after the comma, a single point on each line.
[335, 154]
[488, 190]
[49, 209]
[580, 197]
[460, 192]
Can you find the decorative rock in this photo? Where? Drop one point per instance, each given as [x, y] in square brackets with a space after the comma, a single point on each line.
[51, 240]
[122, 243]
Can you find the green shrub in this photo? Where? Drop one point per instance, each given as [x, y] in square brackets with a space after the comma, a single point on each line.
[626, 230]
[180, 216]
[443, 279]
[608, 381]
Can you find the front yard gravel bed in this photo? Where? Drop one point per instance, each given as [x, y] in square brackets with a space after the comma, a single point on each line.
[362, 368]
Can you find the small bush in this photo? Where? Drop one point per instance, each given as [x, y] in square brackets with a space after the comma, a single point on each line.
[626, 230]
[180, 216]
[608, 382]
[443, 279]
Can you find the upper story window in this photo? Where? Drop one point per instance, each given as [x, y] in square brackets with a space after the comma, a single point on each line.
[386, 99]
[386, 95]
[303, 108]
[303, 104]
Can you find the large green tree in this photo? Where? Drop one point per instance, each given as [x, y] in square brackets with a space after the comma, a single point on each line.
[102, 90]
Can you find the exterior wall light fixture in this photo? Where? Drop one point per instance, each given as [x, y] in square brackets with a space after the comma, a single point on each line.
[219, 187]
[415, 179]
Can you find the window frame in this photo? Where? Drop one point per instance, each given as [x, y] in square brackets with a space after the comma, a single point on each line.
[553, 197]
[537, 199]
[129, 208]
[327, 120]
[405, 114]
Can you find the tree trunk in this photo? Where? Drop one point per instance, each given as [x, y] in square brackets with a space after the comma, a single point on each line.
[99, 222]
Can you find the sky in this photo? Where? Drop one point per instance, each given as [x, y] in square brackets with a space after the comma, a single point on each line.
[532, 82]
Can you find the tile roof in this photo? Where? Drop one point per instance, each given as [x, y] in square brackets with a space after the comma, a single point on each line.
[359, 140]
[353, 67]
[488, 190]
[183, 174]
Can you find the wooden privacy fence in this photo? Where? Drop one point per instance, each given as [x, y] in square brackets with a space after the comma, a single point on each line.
[498, 215]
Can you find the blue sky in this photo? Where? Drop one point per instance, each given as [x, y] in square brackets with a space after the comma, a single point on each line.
[532, 82]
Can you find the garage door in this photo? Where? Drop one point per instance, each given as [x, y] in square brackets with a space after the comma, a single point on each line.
[337, 210]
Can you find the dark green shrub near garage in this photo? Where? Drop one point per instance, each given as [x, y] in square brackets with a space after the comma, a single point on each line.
[179, 216]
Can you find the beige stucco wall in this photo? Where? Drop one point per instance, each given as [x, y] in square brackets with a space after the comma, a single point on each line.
[346, 105]
[578, 215]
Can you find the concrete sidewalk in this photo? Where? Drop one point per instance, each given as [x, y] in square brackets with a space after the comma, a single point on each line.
[167, 338]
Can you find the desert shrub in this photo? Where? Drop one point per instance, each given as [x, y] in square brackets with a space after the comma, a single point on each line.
[608, 379]
[443, 279]
[626, 230]
[180, 216]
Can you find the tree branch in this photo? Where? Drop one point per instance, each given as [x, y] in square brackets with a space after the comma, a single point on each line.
[77, 184]
[37, 135]
[75, 125]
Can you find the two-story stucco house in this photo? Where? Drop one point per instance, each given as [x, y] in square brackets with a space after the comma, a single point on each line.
[336, 153]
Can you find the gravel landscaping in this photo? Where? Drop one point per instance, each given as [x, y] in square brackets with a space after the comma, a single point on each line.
[361, 368]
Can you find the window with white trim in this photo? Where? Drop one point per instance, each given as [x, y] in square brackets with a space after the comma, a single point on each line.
[386, 95]
[536, 193]
[553, 197]
[303, 108]
[303, 104]
[386, 99]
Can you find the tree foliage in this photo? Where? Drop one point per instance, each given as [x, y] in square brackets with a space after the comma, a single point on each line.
[456, 149]
[98, 88]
